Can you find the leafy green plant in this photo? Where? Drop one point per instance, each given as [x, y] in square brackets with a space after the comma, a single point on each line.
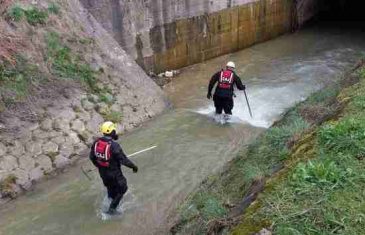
[317, 173]
[324, 95]
[208, 206]
[113, 116]
[16, 80]
[35, 16]
[16, 13]
[67, 65]
[106, 98]
[6, 186]
[361, 72]
[54, 8]
[359, 102]
[346, 136]
[274, 142]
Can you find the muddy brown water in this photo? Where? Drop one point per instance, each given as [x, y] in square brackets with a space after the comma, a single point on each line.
[190, 145]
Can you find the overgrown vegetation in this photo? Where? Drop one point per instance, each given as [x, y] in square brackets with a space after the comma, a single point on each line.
[65, 64]
[113, 116]
[16, 13]
[68, 65]
[16, 80]
[272, 151]
[324, 195]
[33, 15]
[54, 8]
[6, 187]
[228, 188]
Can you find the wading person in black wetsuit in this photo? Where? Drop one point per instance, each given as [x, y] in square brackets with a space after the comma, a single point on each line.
[108, 157]
[223, 95]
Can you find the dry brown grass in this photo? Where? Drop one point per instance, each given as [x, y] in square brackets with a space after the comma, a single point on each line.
[9, 45]
[4, 4]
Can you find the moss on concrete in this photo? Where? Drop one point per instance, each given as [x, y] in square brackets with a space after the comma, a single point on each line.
[7, 187]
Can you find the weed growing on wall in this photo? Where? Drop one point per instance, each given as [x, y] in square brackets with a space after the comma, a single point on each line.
[65, 64]
[15, 80]
[33, 15]
[54, 8]
[113, 116]
[16, 13]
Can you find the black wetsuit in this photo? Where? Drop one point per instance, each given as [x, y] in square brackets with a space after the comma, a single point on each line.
[223, 98]
[112, 176]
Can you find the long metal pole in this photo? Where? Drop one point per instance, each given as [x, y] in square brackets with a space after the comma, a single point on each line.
[131, 155]
[248, 104]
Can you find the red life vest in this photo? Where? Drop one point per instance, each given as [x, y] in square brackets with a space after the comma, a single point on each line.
[226, 79]
[102, 152]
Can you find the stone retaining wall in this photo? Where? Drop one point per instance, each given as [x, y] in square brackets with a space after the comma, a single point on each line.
[65, 121]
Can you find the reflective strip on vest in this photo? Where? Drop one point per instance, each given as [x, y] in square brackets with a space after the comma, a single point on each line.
[226, 79]
[102, 153]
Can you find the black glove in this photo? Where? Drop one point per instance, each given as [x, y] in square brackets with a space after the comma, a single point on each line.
[209, 96]
[244, 87]
[135, 169]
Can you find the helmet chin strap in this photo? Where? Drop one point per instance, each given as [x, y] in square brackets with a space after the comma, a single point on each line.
[114, 135]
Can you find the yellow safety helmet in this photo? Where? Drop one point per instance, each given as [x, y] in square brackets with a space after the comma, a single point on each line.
[108, 127]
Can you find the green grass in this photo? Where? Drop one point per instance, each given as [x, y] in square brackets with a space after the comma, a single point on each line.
[273, 149]
[16, 13]
[268, 150]
[33, 15]
[54, 8]
[16, 80]
[324, 195]
[345, 137]
[66, 64]
[113, 116]
[106, 98]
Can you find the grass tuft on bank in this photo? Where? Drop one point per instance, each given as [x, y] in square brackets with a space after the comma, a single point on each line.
[323, 195]
[17, 80]
[33, 15]
[66, 64]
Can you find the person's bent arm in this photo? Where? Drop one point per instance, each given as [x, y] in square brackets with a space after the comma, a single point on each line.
[212, 82]
[239, 84]
[123, 159]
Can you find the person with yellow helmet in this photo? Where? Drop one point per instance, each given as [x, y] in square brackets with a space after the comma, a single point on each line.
[107, 155]
[224, 92]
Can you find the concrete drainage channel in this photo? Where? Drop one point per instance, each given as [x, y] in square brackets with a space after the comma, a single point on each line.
[190, 145]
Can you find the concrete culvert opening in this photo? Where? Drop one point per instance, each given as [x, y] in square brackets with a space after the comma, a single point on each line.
[341, 10]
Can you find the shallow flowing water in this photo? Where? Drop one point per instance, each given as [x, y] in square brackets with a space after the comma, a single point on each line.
[190, 145]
